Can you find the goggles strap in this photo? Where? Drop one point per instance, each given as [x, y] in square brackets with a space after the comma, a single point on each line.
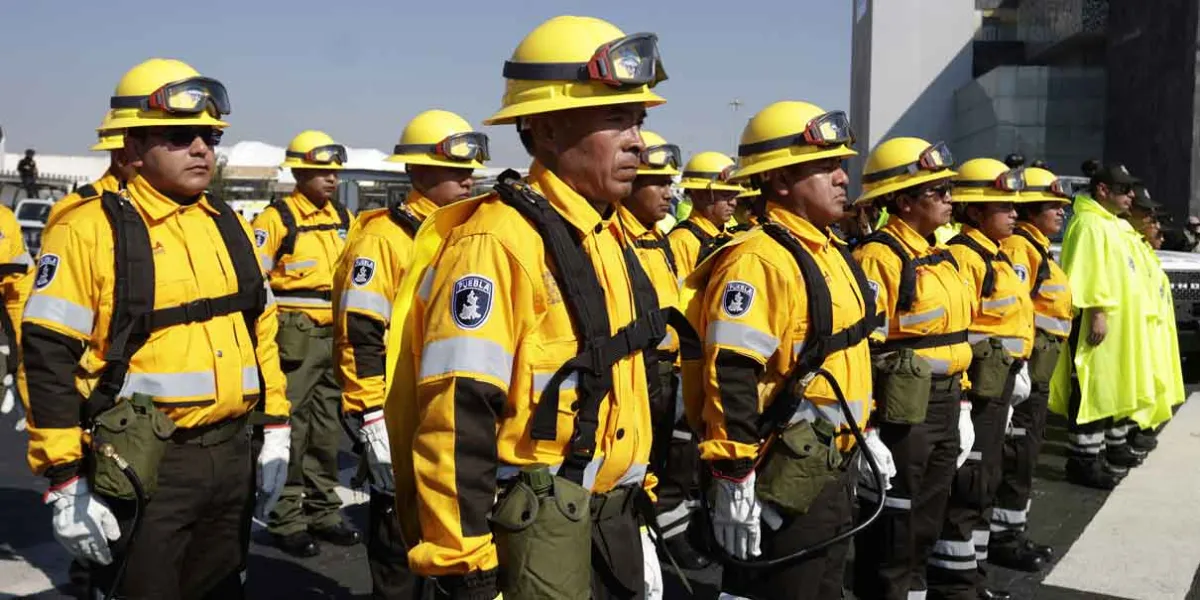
[703, 175]
[546, 71]
[126, 101]
[904, 169]
[426, 149]
[984, 184]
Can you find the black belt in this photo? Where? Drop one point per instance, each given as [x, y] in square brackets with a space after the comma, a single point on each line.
[212, 434]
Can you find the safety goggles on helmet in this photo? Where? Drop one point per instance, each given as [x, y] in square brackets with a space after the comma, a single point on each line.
[829, 129]
[630, 61]
[720, 177]
[662, 156]
[934, 158]
[187, 97]
[1056, 188]
[322, 155]
[1012, 180]
[464, 147]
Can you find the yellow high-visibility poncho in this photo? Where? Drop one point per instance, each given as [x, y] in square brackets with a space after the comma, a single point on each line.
[1165, 375]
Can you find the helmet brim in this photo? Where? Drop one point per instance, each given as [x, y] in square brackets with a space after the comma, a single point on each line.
[510, 114]
[159, 119]
[293, 163]
[429, 161]
[787, 160]
[692, 184]
[907, 182]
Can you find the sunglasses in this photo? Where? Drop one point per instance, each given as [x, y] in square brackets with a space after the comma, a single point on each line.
[185, 135]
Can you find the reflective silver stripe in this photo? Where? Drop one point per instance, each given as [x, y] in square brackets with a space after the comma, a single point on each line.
[807, 411]
[980, 537]
[634, 475]
[173, 385]
[1017, 432]
[426, 285]
[1012, 344]
[1086, 439]
[923, 317]
[1058, 287]
[372, 302]
[681, 435]
[1011, 517]
[797, 348]
[742, 337]
[938, 366]
[283, 298]
[540, 380]
[57, 310]
[466, 355]
[883, 327]
[676, 518]
[974, 455]
[1051, 324]
[268, 263]
[956, 548]
[303, 264]
[270, 296]
[250, 380]
[889, 502]
[955, 565]
[916, 594]
[23, 259]
[667, 341]
[999, 302]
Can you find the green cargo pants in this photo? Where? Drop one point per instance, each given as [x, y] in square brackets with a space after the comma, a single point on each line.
[309, 499]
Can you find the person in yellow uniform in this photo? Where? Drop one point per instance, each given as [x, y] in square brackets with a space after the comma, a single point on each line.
[439, 151]
[1040, 215]
[674, 457]
[301, 237]
[514, 417]
[160, 330]
[713, 198]
[775, 305]
[1001, 337]
[920, 353]
[15, 284]
[110, 141]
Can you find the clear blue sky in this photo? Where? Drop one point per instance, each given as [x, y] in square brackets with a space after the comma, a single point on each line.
[360, 69]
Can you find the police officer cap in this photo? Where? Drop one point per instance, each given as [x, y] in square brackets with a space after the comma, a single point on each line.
[1014, 160]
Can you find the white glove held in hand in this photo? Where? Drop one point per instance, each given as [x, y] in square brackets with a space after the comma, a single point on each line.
[379, 451]
[651, 571]
[883, 458]
[82, 523]
[966, 432]
[735, 517]
[272, 467]
[1022, 386]
[10, 399]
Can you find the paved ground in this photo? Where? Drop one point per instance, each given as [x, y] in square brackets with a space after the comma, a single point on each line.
[1140, 542]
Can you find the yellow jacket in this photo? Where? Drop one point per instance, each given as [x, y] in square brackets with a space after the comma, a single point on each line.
[652, 248]
[942, 302]
[107, 183]
[1052, 310]
[1006, 314]
[490, 326]
[303, 279]
[754, 320]
[199, 373]
[365, 284]
[686, 246]
[15, 270]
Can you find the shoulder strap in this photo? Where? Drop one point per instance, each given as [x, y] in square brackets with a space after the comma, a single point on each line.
[660, 244]
[695, 230]
[87, 191]
[1043, 268]
[134, 317]
[989, 275]
[908, 266]
[288, 244]
[403, 217]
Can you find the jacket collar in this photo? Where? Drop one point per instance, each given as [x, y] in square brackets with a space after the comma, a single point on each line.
[983, 240]
[1036, 233]
[156, 205]
[908, 236]
[419, 205]
[307, 209]
[570, 204]
[799, 226]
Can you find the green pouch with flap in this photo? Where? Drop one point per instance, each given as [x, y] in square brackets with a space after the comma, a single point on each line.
[295, 333]
[903, 380]
[990, 366]
[138, 433]
[801, 461]
[1046, 349]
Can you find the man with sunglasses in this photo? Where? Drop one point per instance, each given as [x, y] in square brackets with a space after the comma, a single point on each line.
[439, 151]
[777, 305]
[1096, 389]
[920, 355]
[301, 237]
[150, 304]
[530, 458]
[706, 181]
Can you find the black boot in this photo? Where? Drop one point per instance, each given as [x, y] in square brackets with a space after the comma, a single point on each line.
[339, 535]
[1015, 551]
[1122, 456]
[990, 594]
[1091, 473]
[684, 554]
[1143, 440]
[300, 544]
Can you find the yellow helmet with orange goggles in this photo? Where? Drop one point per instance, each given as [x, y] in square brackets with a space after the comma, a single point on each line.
[1043, 186]
[109, 139]
[987, 180]
[574, 62]
[750, 193]
[709, 171]
[789, 133]
[658, 157]
[904, 162]
[167, 92]
[440, 138]
[314, 150]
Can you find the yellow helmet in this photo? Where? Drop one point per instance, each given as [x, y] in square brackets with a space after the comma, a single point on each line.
[750, 193]
[789, 133]
[659, 157]
[314, 150]
[904, 162]
[987, 180]
[109, 139]
[709, 171]
[165, 91]
[1043, 186]
[440, 138]
[574, 62]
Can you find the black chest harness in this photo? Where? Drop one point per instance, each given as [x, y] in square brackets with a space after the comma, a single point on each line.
[288, 244]
[989, 274]
[1043, 268]
[599, 350]
[708, 243]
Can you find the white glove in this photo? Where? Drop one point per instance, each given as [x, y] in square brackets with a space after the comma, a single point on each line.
[735, 517]
[1008, 421]
[966, 432]
[883, 458]
[272, 467]
[10, 399]
[82, 523]
[1022, 386]
[651, 571]
[379, 451]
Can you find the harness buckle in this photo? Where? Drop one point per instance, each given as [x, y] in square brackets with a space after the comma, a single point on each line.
[198, 311]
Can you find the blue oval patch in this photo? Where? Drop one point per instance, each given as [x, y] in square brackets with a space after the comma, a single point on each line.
[472, 301]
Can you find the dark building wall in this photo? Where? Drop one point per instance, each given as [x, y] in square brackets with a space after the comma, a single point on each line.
[860, 89]
[1150, 122]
